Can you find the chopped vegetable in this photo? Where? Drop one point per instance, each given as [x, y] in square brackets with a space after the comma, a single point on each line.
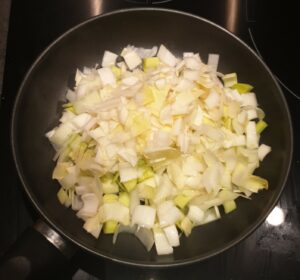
[229, 206]
[242, 88]
[261, 126]
[230, 79]
[155, 144]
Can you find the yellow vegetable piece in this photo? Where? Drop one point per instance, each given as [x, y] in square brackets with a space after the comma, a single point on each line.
[78, 153]
[230, 79]
[110, 198]
[141, 163]
[110, 227]
[146, 192]
[260, 126]
[130, 185]
[124, 198]
[159, 100]
[228, 123]
[225, 111]
[60, 170]
[67, 105]
[148, 95]
[209, 122]
[256, 183]
[62, 196]
[109, 184]
[139, 125]
[181, 200]
[146, 174]
[150, 63]
[242, 88]
[117, 72]
[229, 206]
[186, 226]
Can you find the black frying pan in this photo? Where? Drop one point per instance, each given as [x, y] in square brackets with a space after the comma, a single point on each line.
[38, 108]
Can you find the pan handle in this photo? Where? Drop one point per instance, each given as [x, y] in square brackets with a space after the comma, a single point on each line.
[39, 253]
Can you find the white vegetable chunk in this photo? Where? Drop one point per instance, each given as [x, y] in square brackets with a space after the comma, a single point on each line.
[249, 99]
[144, 216]
[251, 135]
[166, 56]
[195, 214]
[92, 225]
[172, 235]
[127, 172]
[80, 121]
[107, 76]
[212, 100]
[162, 245]
[263, 150]
[168, 213]
[90, 205]
[213, 61]
[109, 59]
[114, 211]
[132, 59]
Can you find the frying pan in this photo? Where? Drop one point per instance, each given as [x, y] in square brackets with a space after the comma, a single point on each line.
[38, 107]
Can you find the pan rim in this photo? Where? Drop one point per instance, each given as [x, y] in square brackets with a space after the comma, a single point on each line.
[108, 256]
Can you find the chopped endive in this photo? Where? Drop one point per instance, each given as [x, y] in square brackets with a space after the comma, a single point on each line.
[117, 72]
[172, 235]
[229, 79]
[150, 63]
[93, 226]
[229, 206]
[110, 198]
[145, 235]
[255, 183]
[108, 184]
[146, 192]
[242, 88]
[262, 151]
[181, 200]
[261, 126]
[162, 244]
[186, 226]
[124, 199]
[110, 227]
[130, 185]
[195, 214]
[62, 196]
[155, 144]
[114, 211]
[144, 216]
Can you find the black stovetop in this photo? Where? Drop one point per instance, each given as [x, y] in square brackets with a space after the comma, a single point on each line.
[273, 250]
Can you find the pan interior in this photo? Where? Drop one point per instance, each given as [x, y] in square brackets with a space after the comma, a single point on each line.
[38, 109]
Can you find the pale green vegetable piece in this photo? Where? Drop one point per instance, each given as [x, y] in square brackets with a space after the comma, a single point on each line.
[242, 88]
[261, 126]
[229, 206]
[229, 79]
[150, 63]
[110, 227]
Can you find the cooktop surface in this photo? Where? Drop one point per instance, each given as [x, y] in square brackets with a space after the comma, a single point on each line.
[273, 250]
